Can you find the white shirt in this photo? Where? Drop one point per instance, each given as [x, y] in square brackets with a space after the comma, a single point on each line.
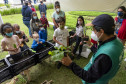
[61, 36]
[79, 31]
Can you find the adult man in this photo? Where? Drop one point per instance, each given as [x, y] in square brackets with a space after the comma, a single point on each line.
[26, 13]
[105, 62]
[42, 7]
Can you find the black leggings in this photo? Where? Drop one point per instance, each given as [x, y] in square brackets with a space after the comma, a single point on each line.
[78, 40]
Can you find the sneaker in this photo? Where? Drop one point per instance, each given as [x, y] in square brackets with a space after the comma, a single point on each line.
[72, 57]
[59, 65]
[78, 56]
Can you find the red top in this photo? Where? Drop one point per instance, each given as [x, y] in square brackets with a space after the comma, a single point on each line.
[33, 10]
[116, 19]
[122, 30]
[94, 42]
[44, 21]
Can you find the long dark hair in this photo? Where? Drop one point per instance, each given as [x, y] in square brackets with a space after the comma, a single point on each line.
[4, 27]
[33, 20]
[81, 17]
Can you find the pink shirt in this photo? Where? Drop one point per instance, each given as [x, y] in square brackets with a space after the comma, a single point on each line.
[8, 43]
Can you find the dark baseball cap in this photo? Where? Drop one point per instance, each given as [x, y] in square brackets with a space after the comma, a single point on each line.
[104, 21]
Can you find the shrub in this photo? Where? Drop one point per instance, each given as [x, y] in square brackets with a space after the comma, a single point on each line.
[18, 10]
[8, 5]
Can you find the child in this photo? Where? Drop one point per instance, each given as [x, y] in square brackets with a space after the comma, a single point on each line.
[22, 37]
[42, 32]
[61, 35]
[79, 34]
[10, 42]
[37, 42]
[34, 23]
[44, 21]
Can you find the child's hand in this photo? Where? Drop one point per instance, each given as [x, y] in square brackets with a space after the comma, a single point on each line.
[41, 42]
[81, 43]
[38, 42]
[71, 36]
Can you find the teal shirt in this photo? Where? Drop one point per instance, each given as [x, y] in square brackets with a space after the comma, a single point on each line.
[114, 49]
[56, 16]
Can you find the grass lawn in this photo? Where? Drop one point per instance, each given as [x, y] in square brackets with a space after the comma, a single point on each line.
[2, 5]
[47, 70]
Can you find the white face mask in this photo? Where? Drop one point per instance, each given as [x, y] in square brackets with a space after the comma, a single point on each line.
[36, 39]
[95, 37]
[58, 9]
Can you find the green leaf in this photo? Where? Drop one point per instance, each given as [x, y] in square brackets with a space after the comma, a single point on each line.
[50, 52]
[58, 56]
[14, 45]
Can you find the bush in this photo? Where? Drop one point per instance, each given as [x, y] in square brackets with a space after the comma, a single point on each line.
[18, 10]
[11, 11]
[8, 5]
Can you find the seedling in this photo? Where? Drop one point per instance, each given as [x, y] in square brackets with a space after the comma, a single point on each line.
[59, 53]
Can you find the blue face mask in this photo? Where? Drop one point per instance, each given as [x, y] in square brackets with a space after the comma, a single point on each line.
[35, 17]
[120, 14]
[9, 34]
[42, 29]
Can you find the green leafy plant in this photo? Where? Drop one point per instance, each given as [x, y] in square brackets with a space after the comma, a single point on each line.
[58, 54]
[8, 5]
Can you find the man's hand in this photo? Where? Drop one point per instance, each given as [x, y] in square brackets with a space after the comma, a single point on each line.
[66, 61]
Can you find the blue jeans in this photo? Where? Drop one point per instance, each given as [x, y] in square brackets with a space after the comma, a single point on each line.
[54, 27]
[34, 1]
[6, 2]
[27, 23]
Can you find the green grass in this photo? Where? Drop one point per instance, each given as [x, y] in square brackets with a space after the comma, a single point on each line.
[90, 13]
[2, 5]
[47, 70]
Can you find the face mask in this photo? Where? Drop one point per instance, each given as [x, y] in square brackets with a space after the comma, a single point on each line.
[120, 14]
[42, 29]
[57, 9]
[18, 32]
[79, 22]
[9, 34]
[36, 39]
[35, 17]
[61, 26]
[95, 37]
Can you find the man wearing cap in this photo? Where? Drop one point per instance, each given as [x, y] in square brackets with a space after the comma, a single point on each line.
[105, 62]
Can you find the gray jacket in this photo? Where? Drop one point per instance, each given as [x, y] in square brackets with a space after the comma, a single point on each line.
[34, 26]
